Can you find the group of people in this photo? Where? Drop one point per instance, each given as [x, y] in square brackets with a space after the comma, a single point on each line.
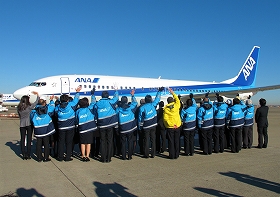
[112, 126]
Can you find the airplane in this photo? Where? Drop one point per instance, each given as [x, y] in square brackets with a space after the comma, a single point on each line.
[8, 100]
[242, 84]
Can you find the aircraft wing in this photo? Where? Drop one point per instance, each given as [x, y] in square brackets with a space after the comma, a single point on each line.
[244, 93]
[259, 89]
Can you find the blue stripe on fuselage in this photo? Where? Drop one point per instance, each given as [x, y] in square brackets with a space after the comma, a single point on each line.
[199, 89]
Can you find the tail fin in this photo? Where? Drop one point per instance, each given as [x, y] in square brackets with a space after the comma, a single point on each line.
[247, 74]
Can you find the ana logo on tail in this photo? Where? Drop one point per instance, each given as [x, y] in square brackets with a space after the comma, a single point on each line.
[248, 67]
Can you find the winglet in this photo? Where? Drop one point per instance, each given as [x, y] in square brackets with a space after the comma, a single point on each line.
[247, 74]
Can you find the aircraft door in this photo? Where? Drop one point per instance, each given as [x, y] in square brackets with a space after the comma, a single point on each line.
[65, 85]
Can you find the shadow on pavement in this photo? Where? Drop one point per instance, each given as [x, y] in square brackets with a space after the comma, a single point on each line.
[111, 189]
[215, 192]
[254, 181]
[15, 146]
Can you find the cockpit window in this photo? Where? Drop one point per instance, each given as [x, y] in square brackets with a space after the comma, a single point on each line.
[38, 84]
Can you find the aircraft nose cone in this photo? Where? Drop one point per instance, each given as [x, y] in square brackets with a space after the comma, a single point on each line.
[19, 93]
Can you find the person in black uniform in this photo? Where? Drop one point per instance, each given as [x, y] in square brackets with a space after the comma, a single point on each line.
[262, 123]
[160, 130]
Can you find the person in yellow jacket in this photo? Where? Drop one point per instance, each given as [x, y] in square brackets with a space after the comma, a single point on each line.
[172, 123]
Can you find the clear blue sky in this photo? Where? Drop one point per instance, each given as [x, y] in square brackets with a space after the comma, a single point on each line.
[181, 39]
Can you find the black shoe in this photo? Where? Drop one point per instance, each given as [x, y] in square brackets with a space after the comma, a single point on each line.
[244, 147]
[24, 157]
[28, 157]
[146, 157]
[39, 160]
[59, 159]
[87, 159]
[264, 146]
[47, 160]
[258, 147]
[68, 159]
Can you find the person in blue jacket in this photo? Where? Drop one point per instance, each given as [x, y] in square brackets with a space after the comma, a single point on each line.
[127, 124]
[147, 120]
[205, 124]
[188, 117]
[220, 110]
[107, 120]
[66, 120]
[247, 132]
[86, 121]
[41, 119]
[235, 122]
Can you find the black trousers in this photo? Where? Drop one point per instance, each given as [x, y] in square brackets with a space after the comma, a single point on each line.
[25, 132]
[43, 140]
[206, 135]
[173, 136]
[247, 136]
[95, 147]
[106, 138]
[189, 142]
[235, 136]
[126, 138]
[218, 138]
[149, 136]
[140, 141]
[65, 137]
[262, 137]
[116, 144]
[227, 142]
[200, 140]
[160, 139]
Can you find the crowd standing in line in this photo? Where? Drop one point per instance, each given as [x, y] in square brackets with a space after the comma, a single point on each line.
[100, 124]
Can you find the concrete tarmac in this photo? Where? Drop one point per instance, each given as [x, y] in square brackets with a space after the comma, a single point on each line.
[251, 172]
